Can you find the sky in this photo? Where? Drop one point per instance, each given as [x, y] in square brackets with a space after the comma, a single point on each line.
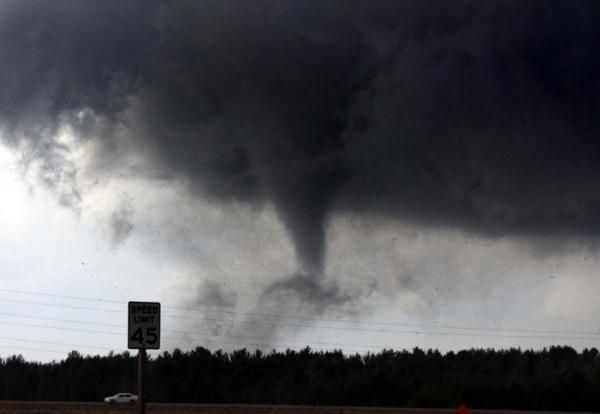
[278, 174]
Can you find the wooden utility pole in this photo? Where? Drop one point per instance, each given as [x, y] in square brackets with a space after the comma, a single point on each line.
[141, 391]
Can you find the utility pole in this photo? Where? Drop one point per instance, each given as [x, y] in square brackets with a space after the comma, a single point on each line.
[141, 373]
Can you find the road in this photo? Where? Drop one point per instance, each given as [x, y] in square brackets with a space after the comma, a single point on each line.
[30, 407]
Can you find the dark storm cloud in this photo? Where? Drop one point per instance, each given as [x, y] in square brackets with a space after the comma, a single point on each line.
[488, 121]
[482, 115]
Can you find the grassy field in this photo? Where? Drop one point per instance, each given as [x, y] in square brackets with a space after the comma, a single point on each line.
[23, 407]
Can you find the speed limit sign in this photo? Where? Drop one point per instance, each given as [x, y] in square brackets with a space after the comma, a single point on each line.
[144, 325]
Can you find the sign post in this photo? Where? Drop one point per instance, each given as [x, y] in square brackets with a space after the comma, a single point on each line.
[143, 332]
[141, 359]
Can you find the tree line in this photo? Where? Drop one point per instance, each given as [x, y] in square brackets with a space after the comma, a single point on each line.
[555, 378]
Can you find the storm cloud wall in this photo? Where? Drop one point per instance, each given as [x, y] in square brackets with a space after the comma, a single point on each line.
[482, 116]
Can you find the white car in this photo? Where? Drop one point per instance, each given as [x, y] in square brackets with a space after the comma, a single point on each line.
[123, 398]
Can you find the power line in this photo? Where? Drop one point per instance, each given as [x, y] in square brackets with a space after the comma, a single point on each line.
[164, 330]
[406, 325]
[53, 295]
[33, 349]
[196, 335]
[54, 343]
[31, 325]
[338, 328]
[280, 317]
[444, 294]
[31, 302]
[122, 334]
[424, 333]
[35, 317]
